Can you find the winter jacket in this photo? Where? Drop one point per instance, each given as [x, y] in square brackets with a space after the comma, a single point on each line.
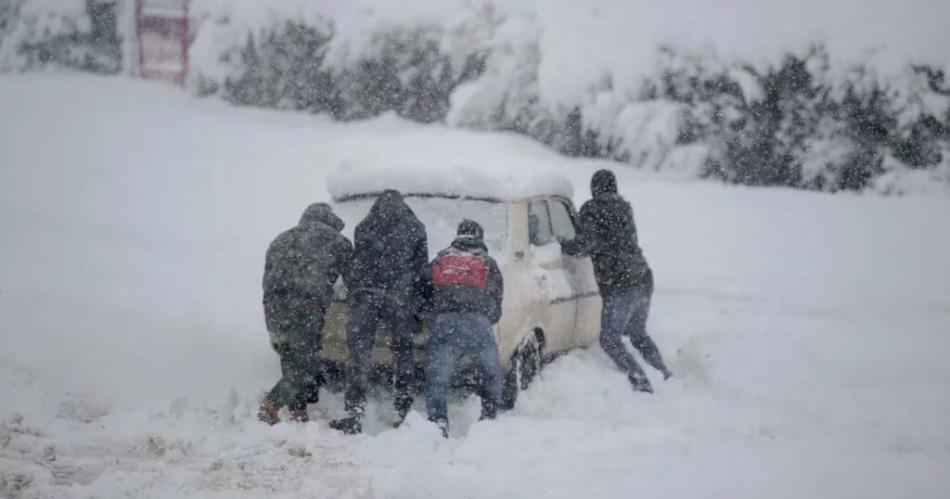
[305, 261]
[391, 252]
[606, 233]
[460, 298]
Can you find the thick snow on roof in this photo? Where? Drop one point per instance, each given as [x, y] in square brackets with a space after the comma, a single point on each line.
[356, 180]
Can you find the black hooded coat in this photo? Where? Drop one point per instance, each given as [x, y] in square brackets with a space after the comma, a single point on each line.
[302, 263]
[391, 252]
[607, 233]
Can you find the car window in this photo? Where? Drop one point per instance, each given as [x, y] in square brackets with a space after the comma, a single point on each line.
[561, 220]
[539, 223]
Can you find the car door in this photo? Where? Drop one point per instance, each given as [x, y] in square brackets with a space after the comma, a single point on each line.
[581, 274]
[554, 280]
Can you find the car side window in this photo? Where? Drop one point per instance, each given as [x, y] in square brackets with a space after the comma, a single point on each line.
[562, 221]
[539, 223]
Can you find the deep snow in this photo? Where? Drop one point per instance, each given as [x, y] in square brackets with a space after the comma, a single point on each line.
[808, 331]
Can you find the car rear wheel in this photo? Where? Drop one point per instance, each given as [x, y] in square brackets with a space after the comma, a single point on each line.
[526, 364]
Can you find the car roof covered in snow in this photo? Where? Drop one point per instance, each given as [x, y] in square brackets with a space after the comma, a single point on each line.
[358, 182]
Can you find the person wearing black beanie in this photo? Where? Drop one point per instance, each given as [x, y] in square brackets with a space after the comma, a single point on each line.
[467, 291]
[607, 233]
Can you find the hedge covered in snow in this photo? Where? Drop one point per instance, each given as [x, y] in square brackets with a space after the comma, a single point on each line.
[76, 34]
[627, 80]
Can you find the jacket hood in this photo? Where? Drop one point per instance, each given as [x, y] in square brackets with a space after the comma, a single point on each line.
[603, 183]
[321, 213]
[389, 202]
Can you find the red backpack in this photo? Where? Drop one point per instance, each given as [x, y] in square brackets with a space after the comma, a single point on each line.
[461, 270]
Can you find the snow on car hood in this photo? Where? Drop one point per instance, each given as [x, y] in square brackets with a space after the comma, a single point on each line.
[451, 181]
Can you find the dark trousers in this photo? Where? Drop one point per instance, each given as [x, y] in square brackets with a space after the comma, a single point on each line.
[299, 382]
[298, 324]
[452, 336]
[625, 313]
[367, 314]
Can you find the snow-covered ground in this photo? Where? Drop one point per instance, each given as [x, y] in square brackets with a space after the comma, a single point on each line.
[809, 332]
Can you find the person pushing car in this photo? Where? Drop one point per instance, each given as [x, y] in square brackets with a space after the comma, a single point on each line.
[467, 291]
[389, 260]
[607, 233]
[301, 266]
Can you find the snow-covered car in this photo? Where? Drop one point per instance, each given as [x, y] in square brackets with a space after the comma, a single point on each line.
[551, 303]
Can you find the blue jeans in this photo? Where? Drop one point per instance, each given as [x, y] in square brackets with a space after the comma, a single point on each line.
[454, 335]
[625, 313]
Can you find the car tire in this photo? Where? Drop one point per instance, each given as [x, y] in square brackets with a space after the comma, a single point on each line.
[526, 363]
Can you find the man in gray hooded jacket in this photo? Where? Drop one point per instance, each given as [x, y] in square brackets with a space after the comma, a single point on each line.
[301, 267]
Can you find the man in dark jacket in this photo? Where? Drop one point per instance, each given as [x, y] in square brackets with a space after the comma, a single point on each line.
[467, 289]
[301, 266]
[608, 235]
[388, 266]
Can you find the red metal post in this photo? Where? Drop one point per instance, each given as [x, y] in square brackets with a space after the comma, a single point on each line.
[161, 28]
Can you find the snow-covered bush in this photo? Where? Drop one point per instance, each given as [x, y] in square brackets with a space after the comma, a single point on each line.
[7, 11]
[924, 120]
[77, 34]
[404, 71]
[629, 80]
[506, 96]
[281, 67]
[290, 64]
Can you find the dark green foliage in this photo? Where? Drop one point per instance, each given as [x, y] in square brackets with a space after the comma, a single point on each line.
[95, 50]
[9, 10]
[765, 145]
[580, 141]
[408, 75]
[282, 68]
[869, 119]
[921, 147]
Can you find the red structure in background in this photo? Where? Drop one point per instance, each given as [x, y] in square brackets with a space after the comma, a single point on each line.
[163, 33]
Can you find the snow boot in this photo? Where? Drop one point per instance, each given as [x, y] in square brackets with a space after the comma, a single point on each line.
[314, 396]
[641, 384]
[667, 374]
[350, 425]
[489, 411]
[269, 413]
[403, 403]
[299, 416]
[443, 425]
